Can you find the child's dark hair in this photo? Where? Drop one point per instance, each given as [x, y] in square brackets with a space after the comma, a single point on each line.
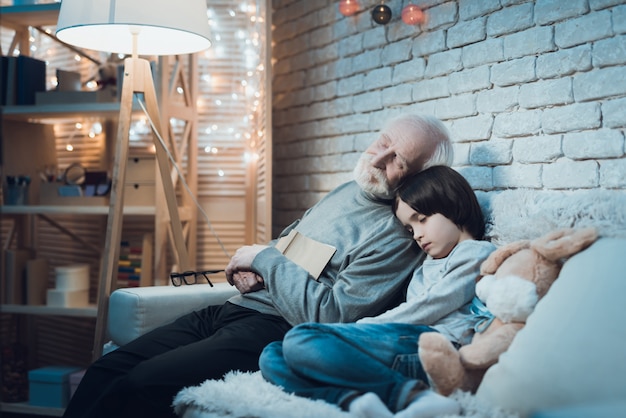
[440, 189]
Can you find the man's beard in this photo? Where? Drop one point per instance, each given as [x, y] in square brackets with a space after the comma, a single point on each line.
[371, 179]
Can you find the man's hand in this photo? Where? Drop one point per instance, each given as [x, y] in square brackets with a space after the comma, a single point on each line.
[247, 281]
[242, 260]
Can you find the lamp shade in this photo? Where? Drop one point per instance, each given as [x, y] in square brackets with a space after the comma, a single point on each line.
[165, 27]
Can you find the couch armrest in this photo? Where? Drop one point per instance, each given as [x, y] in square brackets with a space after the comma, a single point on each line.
[135, 311]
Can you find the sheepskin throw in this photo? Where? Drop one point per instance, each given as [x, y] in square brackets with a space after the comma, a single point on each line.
[248, 395]
[513, 215]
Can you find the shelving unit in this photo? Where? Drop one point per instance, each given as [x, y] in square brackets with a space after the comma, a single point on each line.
[171, 72]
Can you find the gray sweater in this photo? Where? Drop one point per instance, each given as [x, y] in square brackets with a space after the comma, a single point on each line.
[440, 293]
[374, 260]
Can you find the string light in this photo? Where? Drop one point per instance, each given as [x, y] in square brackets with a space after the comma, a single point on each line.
[413, 15]
[348, 7]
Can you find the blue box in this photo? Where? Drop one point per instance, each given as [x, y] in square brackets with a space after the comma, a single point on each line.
[50, 386]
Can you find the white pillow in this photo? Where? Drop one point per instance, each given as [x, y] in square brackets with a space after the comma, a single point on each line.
[571, 350]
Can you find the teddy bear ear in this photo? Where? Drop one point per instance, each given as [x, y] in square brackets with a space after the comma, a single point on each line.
[564, 242]
[495, 259]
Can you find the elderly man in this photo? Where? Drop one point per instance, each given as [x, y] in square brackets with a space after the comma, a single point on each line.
[368, 272]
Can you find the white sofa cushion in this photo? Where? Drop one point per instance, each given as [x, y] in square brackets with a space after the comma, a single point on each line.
[571, 350]
[137, 310]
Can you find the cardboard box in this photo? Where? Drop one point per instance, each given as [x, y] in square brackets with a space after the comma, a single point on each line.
[73, 277]
[50, 386]
[139, 194]
[141, 169]
[67, 298]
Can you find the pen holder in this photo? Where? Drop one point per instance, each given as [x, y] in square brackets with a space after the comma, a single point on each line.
[16, 190]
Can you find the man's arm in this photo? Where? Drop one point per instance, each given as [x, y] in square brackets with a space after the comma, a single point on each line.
[367, 281]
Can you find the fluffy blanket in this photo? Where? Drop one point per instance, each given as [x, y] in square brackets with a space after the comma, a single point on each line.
[513, 215]
[248, 395]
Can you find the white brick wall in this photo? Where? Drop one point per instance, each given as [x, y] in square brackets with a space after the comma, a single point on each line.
[533, 92]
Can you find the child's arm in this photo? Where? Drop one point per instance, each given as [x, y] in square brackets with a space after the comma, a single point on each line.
[442, 291]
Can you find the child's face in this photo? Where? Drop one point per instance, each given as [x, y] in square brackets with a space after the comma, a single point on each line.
[435, 234]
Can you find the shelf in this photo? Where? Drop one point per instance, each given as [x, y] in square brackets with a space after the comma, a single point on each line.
[63, 111]
[25, 408]
[30, 15]
[88, 311]
[184, 212]
[72, 210]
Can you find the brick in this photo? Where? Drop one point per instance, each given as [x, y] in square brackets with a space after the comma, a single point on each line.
[473, 128]
[518, 123]
[351, 85]
[574, 117]
[613, 174]
[603, 4]
[441, 16]
[467, 32]
[534, 41]
[479, 178]
[431, 89]
[470, 80]
[517, 176]
[461, 152]
[397, 95]
[321, 36]
[325, 91]
[351, 45]
[459, 106]
[429, 43]
[425, 107]
[408, 71]
[568, 174]
[443, 63]
[481, 53]
[368, 60]
[550, 11]
[584, 29]
[510, 19]
[494, 152]
[546, 93]
[564, 62]
[497, 99]
[373, 38]
[517, 71]
[619, 19]
[537, 149]
[613, 114]
[380, 77]
[603, 143]
[610, 51]
[397, 52]
[367, 102]
[600, 84]
[470, 9]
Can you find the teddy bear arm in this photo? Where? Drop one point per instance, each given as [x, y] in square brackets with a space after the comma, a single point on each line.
[485, 349]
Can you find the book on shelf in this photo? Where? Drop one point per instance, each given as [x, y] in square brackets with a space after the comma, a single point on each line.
[135, 262]
[311, 255]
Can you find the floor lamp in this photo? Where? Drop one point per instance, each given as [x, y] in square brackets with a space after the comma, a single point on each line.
[136, 27]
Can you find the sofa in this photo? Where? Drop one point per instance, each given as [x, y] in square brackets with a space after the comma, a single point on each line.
[568, 361]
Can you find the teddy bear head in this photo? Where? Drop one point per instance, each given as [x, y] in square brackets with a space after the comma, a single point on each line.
[516, 276]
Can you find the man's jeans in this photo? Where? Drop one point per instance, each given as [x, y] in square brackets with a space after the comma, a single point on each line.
[336, 361]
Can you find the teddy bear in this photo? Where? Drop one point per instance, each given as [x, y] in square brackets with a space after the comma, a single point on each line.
[512, 280]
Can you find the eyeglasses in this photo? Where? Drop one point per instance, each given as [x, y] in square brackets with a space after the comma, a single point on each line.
[191, 277]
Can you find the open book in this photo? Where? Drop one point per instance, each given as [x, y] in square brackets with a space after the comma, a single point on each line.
[309, 254]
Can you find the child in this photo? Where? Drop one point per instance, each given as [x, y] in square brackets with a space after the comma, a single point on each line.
[372, 368]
